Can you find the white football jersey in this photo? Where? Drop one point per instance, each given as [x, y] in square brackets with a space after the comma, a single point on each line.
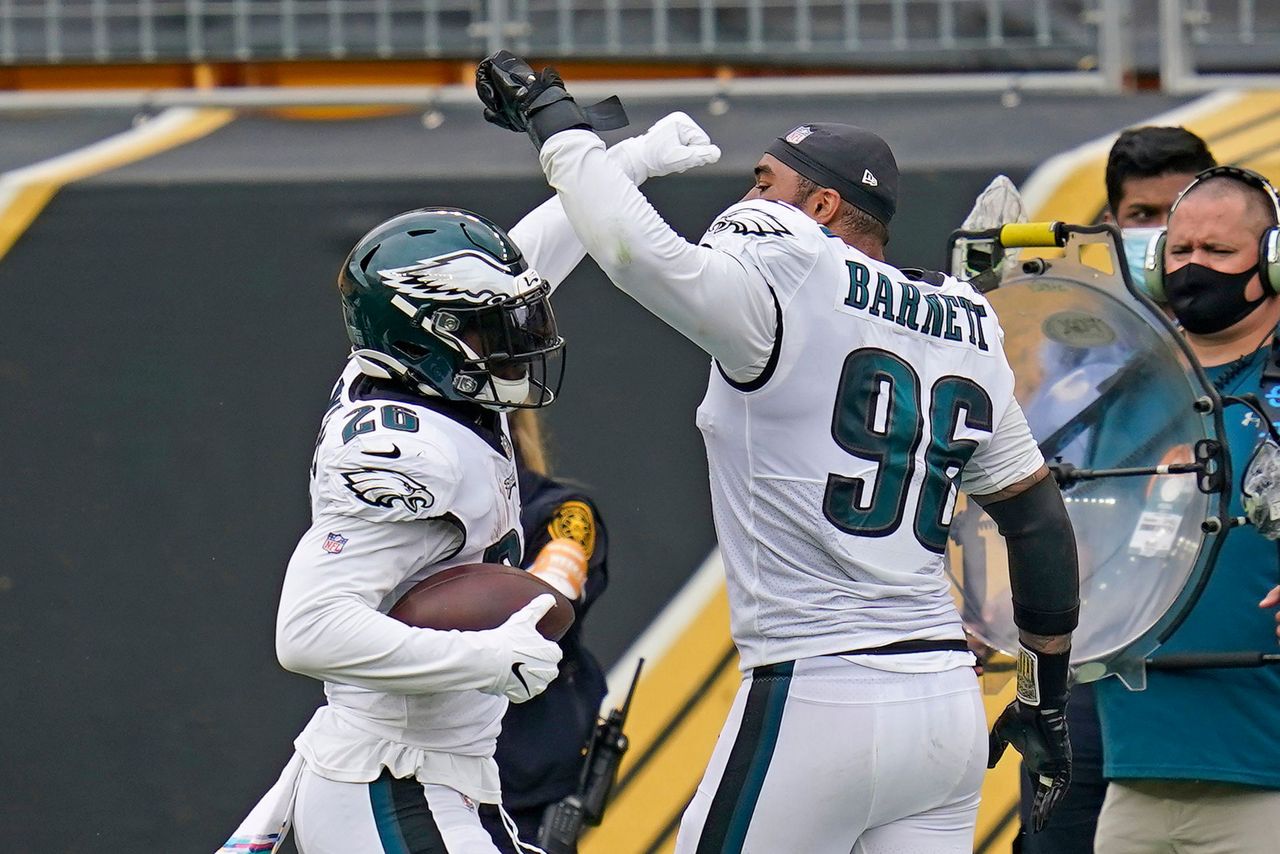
[400, 490]
[392, 456]
[833, 474]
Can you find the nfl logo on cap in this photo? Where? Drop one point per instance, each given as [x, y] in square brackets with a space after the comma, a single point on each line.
[334, 542]
[799, 135]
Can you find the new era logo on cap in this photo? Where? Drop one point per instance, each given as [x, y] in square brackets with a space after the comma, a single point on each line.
[799, 135]
[869, 179]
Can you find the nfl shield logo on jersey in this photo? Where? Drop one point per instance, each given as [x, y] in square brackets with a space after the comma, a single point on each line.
[334, 543]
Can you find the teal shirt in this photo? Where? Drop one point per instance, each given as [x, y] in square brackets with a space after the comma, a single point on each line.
[1220, 725]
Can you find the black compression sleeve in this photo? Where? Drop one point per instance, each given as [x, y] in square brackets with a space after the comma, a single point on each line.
[1043, 571]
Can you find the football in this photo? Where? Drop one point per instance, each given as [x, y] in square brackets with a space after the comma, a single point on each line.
[478, 596]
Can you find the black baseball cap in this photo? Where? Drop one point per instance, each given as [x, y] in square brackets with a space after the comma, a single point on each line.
[854, 162]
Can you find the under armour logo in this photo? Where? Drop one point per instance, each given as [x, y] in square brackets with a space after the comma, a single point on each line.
[869, 179]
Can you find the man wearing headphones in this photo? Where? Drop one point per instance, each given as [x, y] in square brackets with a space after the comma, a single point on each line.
[1194, 760]
[1147, 169]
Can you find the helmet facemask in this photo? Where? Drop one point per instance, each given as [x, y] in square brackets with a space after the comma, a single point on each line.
[512, 354]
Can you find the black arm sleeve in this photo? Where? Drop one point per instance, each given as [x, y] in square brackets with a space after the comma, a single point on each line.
[1044, 573]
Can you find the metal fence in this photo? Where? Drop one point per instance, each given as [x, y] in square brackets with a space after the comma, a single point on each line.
[894, 34]
[1207, 44]
[1075, 43]
[968, 34]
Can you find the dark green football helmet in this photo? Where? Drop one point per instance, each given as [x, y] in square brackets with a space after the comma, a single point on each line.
[442, 299]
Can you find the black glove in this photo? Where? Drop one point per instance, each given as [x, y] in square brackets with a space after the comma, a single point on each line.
[1035, 723]
[517, 98]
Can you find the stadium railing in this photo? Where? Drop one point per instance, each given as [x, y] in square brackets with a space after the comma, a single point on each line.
[1214, 44]
[858, 45]
[1072, 44]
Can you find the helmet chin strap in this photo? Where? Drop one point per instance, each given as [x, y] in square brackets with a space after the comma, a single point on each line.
[379, 365]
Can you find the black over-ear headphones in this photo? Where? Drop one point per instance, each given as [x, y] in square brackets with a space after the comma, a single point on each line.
[1268, 245]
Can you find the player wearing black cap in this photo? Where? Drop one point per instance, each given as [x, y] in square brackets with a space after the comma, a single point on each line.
[848, 400]
[830, 155]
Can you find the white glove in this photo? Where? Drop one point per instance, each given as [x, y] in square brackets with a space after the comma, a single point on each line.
[674, 143]
[998, 204]
[529, 662]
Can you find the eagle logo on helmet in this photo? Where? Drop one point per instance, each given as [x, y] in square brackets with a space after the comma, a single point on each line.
[439, 279]
[386, 488]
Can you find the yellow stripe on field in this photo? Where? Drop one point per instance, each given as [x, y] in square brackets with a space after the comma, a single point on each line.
[25, 192]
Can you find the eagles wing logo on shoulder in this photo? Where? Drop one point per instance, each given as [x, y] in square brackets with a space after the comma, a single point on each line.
[384, 488]
[749, 221]
[445, 278]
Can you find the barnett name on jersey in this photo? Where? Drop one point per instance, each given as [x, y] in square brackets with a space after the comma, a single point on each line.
[834, 471]
[401, 487]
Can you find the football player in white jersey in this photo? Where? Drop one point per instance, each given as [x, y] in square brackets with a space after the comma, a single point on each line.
[413, 473]
[847, 401]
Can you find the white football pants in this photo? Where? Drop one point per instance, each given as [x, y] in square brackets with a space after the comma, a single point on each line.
[823, 756]
[389, 816]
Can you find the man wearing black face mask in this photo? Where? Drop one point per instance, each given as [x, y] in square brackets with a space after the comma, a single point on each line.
[1211, 264]
[1194, 760]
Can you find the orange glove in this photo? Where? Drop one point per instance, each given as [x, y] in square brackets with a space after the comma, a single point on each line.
[562, 563]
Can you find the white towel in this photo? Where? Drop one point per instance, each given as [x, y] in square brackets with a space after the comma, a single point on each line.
[267, 824]
[1000, 203]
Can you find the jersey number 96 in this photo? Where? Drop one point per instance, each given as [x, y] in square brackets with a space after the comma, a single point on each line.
[878, 418]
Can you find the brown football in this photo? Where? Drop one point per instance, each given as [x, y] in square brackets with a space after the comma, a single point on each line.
[478, 596]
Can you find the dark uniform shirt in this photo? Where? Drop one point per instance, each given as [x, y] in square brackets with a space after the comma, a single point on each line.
[540, 748]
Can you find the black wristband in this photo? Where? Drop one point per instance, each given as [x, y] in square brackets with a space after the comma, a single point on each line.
[562, 114]
[1042, 678]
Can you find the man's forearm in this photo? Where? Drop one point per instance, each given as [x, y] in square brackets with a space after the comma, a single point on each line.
[544, 235]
